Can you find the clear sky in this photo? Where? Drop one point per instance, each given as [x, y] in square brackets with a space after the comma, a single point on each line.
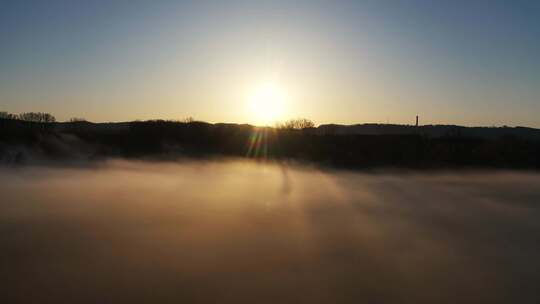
[463, 62]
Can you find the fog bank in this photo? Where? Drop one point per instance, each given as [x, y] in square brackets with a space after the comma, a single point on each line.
[247, 232]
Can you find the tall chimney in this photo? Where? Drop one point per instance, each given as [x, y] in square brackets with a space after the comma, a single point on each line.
[417, 120]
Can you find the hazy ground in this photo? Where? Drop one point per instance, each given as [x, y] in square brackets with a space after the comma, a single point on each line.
[240, 232]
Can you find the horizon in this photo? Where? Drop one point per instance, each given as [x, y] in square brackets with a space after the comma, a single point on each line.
[276, 124]
[468, 63]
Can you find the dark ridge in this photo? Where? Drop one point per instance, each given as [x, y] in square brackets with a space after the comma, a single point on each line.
[353, 147]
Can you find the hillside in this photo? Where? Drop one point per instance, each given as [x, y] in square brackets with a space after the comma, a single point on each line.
[430, 130]
[353, 147]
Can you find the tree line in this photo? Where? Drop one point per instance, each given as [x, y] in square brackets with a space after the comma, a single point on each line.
[292, 124]
[29, 116]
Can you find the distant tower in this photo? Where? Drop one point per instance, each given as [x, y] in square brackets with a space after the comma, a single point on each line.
[417, 120]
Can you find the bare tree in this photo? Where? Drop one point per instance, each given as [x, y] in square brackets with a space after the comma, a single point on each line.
[188, 119]
[37, 117]
[296, 124]
[6, 115]
[77, 119]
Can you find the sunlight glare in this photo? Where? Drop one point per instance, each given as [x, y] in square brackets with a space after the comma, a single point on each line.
[267, 103]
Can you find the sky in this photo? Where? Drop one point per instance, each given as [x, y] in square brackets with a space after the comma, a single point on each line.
[474, 63]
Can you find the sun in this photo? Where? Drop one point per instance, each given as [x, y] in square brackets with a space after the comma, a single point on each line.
[266, 104]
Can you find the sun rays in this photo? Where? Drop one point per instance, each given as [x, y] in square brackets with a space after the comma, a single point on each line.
[258, 143]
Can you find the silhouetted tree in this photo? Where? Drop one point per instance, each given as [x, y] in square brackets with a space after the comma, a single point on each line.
[37, 117]
[296, 124]
[188, 119]
[6, 115]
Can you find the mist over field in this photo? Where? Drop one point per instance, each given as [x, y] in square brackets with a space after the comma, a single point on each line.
[253, 232]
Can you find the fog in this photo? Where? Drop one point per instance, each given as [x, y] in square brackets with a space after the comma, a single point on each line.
[249, 232]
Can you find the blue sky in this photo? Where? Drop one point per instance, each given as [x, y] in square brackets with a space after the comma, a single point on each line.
[462, 62]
